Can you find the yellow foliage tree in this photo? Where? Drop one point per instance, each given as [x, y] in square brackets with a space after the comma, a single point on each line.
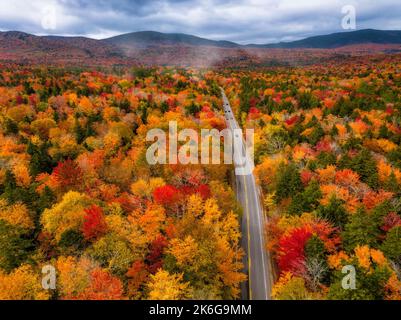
[129, 231]
[290, 287]
[66, 215]
[164, 286]
[337, 260]
[151, 222]
[17, 215]
[327, 175]
[229, 262]
[212, 213]
[384, 170]
[22, 284]
[144, 189]
[184, 251]
[22, 176]
[73, 275]
[393, 288]
[85, 105]
[195, 205]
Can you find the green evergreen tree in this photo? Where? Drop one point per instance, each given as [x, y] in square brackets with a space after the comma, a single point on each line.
[306, 201]
[79, 132]
[392, 245]
[395, 157]
[316, 135]
[10, 126]
[71, 242]
[14, 247]
[40, 159]
[362, 229]
[364, 164]
[392, 184]
[288, 182]
[334, 212]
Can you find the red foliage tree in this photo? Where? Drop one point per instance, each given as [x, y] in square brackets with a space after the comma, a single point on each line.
[68, 174]
[103, 286]
[94, 225]
[292, 120]
[172, 103]
[137, 275]
[292, 250]
[253, 102]
[323, 146]
[33, 99]
[204, 191]
[128, 202]
[390, 221]
[390, 109]
[167, 195]
[154, 258]
[306, 177]
[19, 100]
[254, 113]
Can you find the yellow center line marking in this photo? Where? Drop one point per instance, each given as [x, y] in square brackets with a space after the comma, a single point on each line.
[249, 239]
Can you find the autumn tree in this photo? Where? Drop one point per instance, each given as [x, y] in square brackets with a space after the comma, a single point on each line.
[112, 252]
[65, 215]
[155, 257]
[292, 250]
[102, 286]
[167, 195]
[23, 283]
[94, 224]
[165, 286]
[290, 287]
[316, 267]
[364, 164]
[138, 276]
[68, 175]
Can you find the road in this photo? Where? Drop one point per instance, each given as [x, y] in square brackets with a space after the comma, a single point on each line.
[257, 260]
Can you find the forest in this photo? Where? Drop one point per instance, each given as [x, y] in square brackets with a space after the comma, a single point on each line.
[328, 160]
[77, 194]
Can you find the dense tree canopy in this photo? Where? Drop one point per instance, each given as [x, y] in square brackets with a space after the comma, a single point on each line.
[77, 193]
[327, 152]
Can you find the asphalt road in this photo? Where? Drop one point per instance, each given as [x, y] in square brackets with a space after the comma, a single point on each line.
[257, 260]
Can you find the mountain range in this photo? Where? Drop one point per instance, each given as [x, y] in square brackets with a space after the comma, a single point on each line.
[152, 47]
[335, 40]
[149, 38]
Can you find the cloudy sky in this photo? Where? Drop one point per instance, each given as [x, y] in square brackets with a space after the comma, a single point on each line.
[251, 21]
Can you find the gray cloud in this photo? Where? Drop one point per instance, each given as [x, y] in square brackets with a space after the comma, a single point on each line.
[252, 21]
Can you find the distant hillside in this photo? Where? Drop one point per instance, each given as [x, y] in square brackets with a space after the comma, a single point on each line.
[337, 40]
[24, 47]
[155, 48]
[152, 38]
